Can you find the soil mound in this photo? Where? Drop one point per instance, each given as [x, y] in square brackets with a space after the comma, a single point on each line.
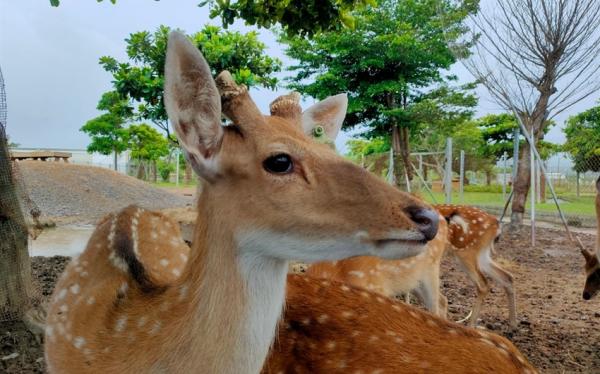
[80, 193]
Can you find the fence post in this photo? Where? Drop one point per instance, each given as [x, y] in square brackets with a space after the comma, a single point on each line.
[421, 171]
[504, 164]
[448, 170]
[177, 167]
[462, 177]
[532, 190]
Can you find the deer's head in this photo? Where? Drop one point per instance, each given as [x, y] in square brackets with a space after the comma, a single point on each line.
[281, 193]
[592, 272]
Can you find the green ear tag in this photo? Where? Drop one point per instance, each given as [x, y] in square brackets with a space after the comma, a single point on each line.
[318, 131]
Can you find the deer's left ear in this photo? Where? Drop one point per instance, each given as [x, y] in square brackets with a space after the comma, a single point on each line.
[329, 114]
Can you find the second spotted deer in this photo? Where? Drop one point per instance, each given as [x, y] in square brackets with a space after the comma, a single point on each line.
[471, 236]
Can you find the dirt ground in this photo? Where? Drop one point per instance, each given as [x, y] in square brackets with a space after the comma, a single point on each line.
[558, 331]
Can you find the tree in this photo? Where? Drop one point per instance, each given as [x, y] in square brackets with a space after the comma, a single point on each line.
[536, 58]
[391, 66]
[297, 17]
[15, 266]
[148, 145]
[141, 79]
[107, 132]
[583, 140]
[498, 135]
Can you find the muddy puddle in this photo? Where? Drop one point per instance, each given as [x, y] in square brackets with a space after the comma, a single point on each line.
[61, 241]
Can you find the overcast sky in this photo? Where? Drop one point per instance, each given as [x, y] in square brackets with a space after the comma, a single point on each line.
[49, 59]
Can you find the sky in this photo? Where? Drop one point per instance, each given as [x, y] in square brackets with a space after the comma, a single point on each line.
[49, 60]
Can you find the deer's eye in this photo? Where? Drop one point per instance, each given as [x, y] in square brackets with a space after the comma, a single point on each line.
[279, 164]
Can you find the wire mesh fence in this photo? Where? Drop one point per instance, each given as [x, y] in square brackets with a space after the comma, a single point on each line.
[18, 214]
[468, 180]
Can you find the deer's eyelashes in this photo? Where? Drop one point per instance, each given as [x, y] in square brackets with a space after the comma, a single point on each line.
[280, 163]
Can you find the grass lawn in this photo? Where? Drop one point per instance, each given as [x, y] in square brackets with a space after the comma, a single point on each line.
[172, 184]
[570, 204]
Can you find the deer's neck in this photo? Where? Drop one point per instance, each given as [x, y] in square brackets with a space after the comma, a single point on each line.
[236, 299]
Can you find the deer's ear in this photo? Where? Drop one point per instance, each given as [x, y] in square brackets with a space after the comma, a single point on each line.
[589, 256]
[329, 114]
[193, 105]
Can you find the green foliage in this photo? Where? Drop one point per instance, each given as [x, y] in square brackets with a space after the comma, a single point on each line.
[297, 17]
[106, 131]
[165, 169]
[141, 78]
[363, 147]
[146, 143]
[583, 140]
[390, 65]
[498, 135]
[107, 134]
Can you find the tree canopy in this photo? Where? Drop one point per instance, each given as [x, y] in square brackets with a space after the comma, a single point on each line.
[296, 17]
[107, 132]
[146, 143]
[140, 80]
[583, 140]
[391, 65]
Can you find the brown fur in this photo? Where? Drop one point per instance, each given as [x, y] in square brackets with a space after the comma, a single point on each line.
[474, 249]
[330, 327]
[119, 318]
[394, 277]
[592, 262]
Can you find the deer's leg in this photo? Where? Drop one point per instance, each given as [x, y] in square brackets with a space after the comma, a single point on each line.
[505, 279]
[429, 292]
[474, 273]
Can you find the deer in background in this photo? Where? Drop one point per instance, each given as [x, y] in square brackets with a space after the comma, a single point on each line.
[592, 262]
[419, 274]
[270, 195]
[471, 235]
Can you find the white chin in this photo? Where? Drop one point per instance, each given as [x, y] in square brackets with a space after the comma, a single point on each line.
[398, 251]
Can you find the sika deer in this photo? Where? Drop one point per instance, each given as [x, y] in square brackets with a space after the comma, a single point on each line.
[344, 329]
[419, 274]
[472, 233]
[592, 262]
[270, 195]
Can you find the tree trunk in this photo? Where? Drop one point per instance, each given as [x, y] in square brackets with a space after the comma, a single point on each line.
[154, 173]
[488, 177]
[187, 179]
[141, 173]
[522, 182]
[115, 159]
[15, 267]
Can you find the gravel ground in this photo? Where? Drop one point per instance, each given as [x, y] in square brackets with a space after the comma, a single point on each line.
[558, 331]
[69, 193]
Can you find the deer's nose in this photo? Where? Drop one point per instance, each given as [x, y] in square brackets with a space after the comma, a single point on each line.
[426, 220]
[586, 295]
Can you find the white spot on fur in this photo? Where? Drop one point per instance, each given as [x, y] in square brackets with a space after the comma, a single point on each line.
[121, 323]
[164, 262]
[458, 220]
[142, 321]
[79, 342]
[75, 288]
[155, 327]
[62, 293]
[355, 273]
[91, 300]
[176, 272]
[322, 318]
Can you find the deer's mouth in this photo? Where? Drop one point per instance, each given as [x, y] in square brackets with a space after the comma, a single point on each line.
[385, 242]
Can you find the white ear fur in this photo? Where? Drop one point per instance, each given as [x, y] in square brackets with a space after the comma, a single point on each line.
[329, 114]
[193, 104]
